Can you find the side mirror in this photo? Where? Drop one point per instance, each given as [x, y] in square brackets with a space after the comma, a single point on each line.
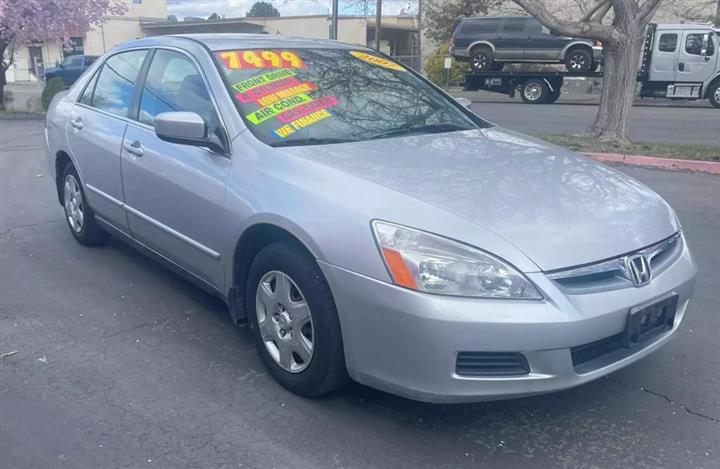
[464, 101]
[705, 45]
[185, 128]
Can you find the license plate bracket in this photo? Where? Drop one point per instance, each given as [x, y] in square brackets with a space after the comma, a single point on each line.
[645, 322]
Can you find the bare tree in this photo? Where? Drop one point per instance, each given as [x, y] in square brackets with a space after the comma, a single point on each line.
[622, 37]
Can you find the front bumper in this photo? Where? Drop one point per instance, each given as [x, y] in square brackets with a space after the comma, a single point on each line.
[406, 342]
[597, 54]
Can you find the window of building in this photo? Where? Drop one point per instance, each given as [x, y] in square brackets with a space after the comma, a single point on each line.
[116, 82]
[668, 42]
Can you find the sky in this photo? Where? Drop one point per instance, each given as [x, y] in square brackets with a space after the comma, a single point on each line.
[236, 8]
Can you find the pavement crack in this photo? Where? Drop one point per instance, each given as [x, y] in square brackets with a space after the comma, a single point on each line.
[154, 322]
[29, 225]
[670, 401]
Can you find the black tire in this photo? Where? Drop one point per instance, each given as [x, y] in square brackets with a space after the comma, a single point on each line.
[535, 91]
[481, 59]
[714, 94]
[90, 233]
[553, 96]
[579, 60]
[326, 370]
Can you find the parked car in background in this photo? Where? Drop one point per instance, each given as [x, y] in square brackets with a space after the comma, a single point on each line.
[366, 224]
[71, 68]
[490, 42]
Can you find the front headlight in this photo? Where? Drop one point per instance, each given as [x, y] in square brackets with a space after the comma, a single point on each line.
[429, 263]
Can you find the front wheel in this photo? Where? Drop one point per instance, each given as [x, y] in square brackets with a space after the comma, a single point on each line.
[714, 94]
[296, 327]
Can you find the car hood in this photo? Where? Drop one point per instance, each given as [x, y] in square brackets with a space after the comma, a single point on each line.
[557, 207]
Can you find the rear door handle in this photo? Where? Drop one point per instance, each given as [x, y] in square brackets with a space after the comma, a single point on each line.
[135, 148]
[681, 66]
[77, 122]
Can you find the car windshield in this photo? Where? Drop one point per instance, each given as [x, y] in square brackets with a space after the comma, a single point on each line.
[309, 96]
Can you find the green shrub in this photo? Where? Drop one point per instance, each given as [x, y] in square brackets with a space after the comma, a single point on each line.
[8, 96]
[435, 68]
[52, 88]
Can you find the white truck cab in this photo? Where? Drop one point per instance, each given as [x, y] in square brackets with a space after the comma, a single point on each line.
[681, 61]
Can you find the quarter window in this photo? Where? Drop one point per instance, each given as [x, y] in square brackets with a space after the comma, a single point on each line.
[116, 83]
[668, 42]
[174, 83]
[87, 96]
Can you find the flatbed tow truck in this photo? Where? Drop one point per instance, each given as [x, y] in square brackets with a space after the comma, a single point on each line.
[678, 62]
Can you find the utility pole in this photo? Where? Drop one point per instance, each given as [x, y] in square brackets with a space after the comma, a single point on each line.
[420, 33]
[334, 22]
[378, 17]
[717, 14]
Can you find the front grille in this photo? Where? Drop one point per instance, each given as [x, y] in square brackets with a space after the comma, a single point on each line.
[491, 364]
[612, 273]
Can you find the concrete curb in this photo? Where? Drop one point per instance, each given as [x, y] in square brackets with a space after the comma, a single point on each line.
[21, 116]
[670, 164]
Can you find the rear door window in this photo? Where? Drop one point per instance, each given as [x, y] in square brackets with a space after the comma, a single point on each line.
[472, 27]
[667, 42]
[514, 26]
[116, 83]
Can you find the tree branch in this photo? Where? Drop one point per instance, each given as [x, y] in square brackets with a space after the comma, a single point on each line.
[647, 11]
[602, 12]
[592, 30]
[596, 7]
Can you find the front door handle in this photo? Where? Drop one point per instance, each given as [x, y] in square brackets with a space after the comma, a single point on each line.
[135, 148]
[77, 122]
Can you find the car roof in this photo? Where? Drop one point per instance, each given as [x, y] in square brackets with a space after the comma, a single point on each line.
[480, 18]
[685, 26]
[226, 41]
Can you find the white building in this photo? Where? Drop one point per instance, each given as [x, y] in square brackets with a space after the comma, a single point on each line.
[31, 58]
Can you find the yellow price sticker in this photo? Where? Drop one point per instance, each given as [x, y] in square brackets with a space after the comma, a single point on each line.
[379, 61]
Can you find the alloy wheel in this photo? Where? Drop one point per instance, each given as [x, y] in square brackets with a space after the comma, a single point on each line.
[533, 91]
[74, 207]
[578, 62]
[480, 62]
[285, 321]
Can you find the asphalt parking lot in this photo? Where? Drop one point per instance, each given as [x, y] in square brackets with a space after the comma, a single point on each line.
[120, 363]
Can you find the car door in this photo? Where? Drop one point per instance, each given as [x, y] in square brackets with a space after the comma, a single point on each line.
[95, 131]
[665, 56]
[175, 193]
[696, 58]
[540, 43]
[511, 40]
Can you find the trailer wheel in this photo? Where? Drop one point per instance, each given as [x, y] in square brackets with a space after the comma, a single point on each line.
[535, 91]
[714, 94]
[481, 59]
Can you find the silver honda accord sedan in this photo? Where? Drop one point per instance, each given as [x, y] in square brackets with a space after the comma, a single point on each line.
[366, 224]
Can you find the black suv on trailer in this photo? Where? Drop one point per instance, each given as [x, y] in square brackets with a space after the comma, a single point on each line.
[490, 42]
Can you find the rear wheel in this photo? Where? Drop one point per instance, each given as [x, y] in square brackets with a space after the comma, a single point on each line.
[78, 213]
[579, 60]
[535, 91]
[296, 326]
[481, 59]
[714, 94]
